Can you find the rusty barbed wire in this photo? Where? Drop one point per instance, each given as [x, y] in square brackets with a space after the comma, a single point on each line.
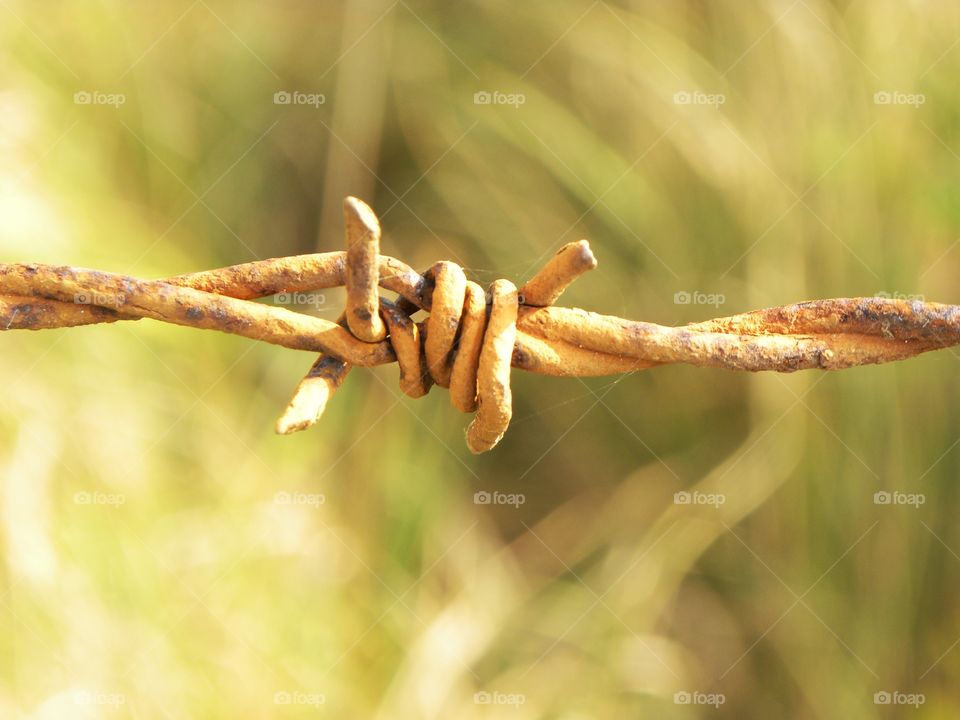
[471, 338]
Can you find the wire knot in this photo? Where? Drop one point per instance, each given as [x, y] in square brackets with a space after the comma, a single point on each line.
[466, 344]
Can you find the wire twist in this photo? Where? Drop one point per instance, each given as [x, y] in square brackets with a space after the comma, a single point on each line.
[471, 337]
[466, 344]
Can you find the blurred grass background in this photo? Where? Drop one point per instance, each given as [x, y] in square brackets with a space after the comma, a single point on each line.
[151, 570]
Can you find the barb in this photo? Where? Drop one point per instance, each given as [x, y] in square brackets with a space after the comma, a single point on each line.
[470, 339]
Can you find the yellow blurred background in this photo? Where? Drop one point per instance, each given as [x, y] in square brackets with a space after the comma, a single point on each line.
[167, 556]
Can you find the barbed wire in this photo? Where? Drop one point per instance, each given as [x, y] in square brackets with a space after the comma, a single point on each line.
[471, 338]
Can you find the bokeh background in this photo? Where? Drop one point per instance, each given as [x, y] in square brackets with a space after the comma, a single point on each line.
[165, 555]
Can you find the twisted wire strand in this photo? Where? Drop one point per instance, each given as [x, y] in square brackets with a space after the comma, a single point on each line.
[471, 337]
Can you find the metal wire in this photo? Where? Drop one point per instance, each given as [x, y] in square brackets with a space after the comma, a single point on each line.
[471, 338]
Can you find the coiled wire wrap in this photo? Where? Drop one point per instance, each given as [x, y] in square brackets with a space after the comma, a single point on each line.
[465, 345]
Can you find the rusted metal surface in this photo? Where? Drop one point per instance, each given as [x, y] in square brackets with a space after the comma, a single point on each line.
[494, 401]
[363, 272]
[471, 339]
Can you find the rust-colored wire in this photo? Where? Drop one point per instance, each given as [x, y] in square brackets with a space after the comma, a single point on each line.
[470, 339]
